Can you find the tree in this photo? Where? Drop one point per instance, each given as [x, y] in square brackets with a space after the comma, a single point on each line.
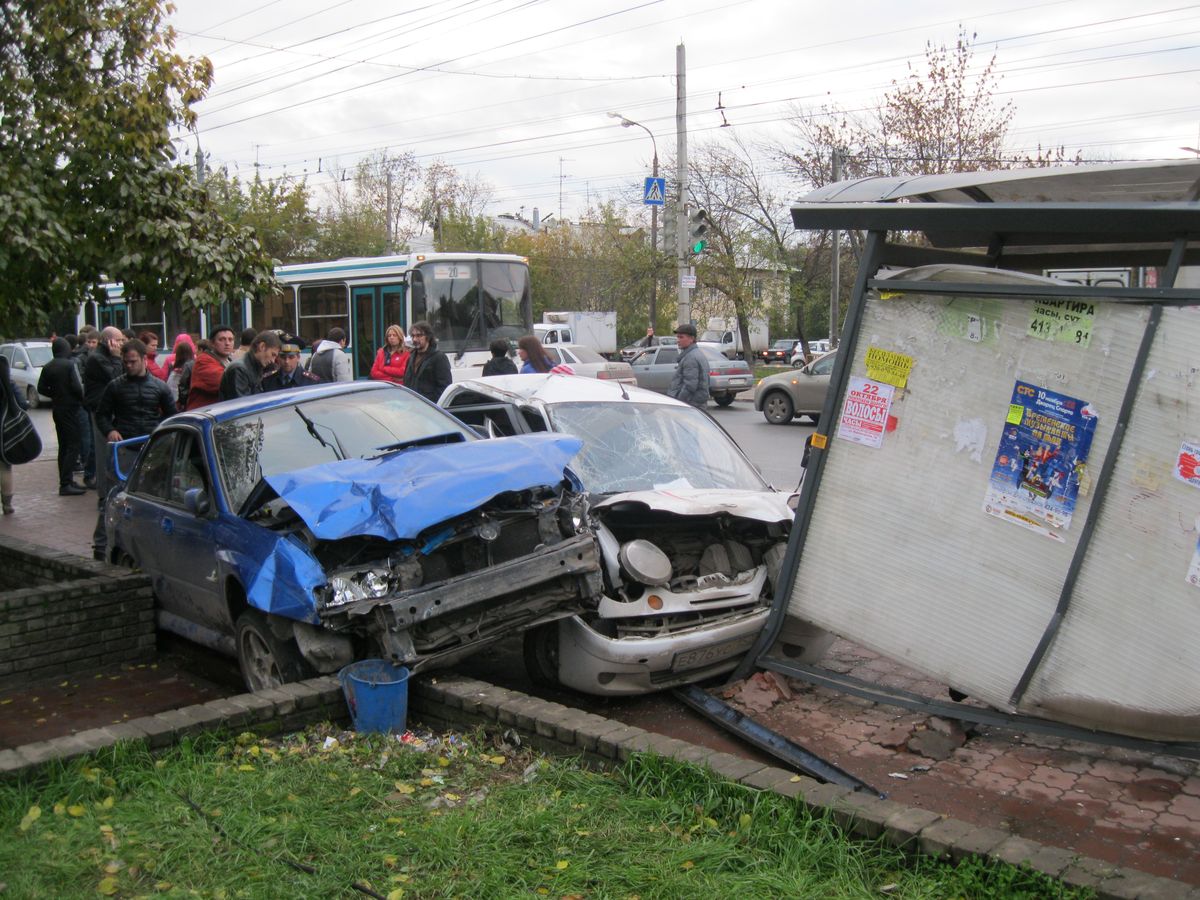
[90, 188]
[277, 210]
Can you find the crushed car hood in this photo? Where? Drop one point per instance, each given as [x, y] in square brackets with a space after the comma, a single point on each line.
[766, 506]
[399, 495]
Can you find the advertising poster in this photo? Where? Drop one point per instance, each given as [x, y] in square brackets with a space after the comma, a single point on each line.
[888, 366]
[1067, 321]
[1187, 466]
[1042, 456]
[865, 412]
[1193, 576]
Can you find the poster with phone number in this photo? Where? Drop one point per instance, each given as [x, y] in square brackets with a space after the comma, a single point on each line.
[865, 412]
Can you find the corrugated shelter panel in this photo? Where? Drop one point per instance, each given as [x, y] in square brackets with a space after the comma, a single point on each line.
[900, 555]
[1129, 647]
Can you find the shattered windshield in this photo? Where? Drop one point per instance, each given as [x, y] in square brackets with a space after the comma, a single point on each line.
[644, 446]
[321, 430]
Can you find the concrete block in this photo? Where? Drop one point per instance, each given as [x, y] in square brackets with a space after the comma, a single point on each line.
[696, 755]
[820, 799]
[732, 767]
[903, 829]
[792, 785]
[12, 763]
[765, 779]
[1086, 872]
[937, 839]
[634, 743]
[978, 842]
[284, 703]
[863, 814]
[608, 746]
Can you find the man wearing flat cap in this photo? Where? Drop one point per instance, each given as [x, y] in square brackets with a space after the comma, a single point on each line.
[690, 381]
[289, 374]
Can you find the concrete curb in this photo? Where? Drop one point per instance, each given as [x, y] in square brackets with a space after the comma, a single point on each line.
[446, 701]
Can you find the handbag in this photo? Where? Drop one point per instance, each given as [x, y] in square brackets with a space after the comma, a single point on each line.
[19, 440]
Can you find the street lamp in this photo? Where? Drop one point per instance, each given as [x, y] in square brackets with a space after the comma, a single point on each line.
[629, 123]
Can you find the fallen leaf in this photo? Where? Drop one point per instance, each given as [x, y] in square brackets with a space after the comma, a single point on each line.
[688, 865]
[390, 861]
[245, 767]
[396, 894]
[35, 813]
[107, 802]
[561, 864]
[60, 808]
[107, 886]
[497, 760]
[354, 791]
[744, 821]
[76, 810]
[404, 788]
[5, 702]
[443, 761]
[794, 778]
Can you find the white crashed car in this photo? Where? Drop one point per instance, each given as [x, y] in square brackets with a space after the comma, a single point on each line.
[691, 537]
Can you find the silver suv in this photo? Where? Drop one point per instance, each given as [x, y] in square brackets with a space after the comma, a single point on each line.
[25, 361]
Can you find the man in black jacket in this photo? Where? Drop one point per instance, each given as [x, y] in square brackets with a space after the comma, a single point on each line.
[60, 382]
[245, 374]
[428, 371]
[102, 365]
[132, 405]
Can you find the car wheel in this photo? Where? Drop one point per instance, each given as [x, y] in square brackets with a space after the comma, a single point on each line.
[724, 399]
[267, 661]
[541, 655]
[31, 396]
[778, 408]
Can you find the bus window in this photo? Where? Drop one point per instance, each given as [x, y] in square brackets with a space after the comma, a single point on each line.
[321, 307]
[278, 312]
[393, 306]
[505, 294]
[146, 316]
[451, 306]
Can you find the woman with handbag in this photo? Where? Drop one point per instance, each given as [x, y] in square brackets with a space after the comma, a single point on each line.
[19, 441]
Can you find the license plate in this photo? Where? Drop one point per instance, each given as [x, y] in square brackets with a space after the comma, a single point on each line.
[737, 381]
[705, 656]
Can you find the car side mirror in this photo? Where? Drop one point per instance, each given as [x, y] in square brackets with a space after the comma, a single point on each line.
[19, 364]
[196, 501]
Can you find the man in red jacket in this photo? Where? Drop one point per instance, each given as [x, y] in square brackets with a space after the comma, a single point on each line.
[209, 366]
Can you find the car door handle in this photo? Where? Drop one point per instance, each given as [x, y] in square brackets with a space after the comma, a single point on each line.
[168, 526]
[126, 512]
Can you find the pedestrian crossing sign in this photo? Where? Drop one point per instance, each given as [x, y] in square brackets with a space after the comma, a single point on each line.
[655, 192]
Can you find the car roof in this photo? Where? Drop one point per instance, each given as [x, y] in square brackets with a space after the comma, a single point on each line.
[32, 343]
[231, 409]
[552, 389]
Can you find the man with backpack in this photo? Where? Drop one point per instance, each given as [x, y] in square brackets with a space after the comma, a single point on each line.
[328, 362]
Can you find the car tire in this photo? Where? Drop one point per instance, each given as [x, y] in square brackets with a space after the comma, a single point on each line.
[777, 408]
[724, 399]
[31, 396]
[266, 661]
[541, 655]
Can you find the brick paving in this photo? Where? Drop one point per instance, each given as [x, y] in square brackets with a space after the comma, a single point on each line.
[1128, 808]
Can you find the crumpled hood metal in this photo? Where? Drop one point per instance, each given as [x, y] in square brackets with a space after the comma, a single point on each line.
[399, 495]
[765, 506]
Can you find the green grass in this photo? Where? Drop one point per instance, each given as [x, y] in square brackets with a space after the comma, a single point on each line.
[462, 819]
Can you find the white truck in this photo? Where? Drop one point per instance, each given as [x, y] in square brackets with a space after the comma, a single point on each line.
[597, 330]
[725, 336]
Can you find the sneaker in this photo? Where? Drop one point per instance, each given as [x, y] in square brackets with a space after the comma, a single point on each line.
[71, 490]
[99, 556]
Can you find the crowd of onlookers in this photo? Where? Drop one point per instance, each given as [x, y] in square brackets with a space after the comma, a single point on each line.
[109, 385]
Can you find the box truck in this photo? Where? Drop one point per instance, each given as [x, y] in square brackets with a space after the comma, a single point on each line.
[597, 330]
[725, 336]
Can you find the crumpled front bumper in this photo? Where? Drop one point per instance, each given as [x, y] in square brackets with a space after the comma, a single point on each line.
[499, 600]
[595, 664]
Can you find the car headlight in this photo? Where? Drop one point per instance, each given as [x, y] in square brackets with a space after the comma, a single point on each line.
[359, 586]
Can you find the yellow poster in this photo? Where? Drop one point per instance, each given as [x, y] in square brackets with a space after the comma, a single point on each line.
[888, 366]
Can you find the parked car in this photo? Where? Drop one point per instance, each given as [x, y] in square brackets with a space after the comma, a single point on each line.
[302, 529]
[655, 366]
[587, 362]
[665, 340]
[690, 535]
[25, 361]
[779, 352]
[800, 392]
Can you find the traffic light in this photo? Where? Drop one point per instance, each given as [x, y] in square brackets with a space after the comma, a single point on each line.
[669, 229]
[698, 225]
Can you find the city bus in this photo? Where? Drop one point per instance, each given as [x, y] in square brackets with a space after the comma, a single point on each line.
[469, 299]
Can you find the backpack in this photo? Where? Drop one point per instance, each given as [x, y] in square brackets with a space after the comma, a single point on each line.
[321, 364]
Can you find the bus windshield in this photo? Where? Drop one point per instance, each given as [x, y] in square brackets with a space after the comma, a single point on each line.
[463, 316]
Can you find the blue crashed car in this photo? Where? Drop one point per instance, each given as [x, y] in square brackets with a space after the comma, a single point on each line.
[303, 529]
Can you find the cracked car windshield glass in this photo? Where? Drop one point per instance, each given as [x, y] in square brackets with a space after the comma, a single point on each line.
[641, 447]
[318, 431]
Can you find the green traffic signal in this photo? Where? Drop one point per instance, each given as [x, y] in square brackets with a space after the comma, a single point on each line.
[698, 223]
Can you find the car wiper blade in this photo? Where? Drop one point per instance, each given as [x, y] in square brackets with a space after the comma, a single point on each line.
[449, 437]
[339, 451]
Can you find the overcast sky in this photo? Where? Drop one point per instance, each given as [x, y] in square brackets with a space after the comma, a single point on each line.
[517, 91]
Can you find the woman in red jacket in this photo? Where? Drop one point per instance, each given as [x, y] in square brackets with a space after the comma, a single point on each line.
[392, 358]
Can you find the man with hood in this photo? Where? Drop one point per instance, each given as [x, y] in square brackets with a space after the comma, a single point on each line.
[245, 374]
[61, 383]
[328, 362]
[428, 371]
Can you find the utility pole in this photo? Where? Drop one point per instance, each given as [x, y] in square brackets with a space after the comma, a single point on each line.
[681, 180]
[835, 267]
[629, 123]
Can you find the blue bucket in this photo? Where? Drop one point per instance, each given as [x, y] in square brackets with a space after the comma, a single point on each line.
[377, 694]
